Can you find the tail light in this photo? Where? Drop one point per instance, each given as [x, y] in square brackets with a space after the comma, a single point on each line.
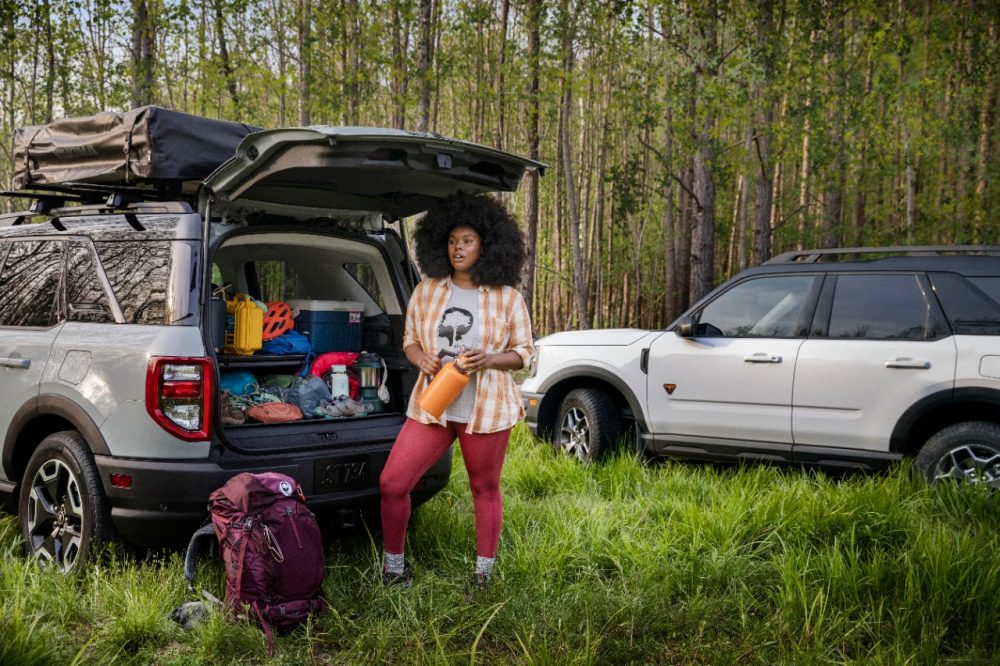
[179, 395]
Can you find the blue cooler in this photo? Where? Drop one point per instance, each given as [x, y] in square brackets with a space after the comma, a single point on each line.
[329, 325]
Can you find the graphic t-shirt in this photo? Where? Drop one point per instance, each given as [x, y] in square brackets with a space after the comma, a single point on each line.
[458, 331]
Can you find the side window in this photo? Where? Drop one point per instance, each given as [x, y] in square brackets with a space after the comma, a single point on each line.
[364, 275]
[881, 307]
[29, 284]
[139, 273]
[85, 297]
[276, 280]
[970, 311]
[767, 307]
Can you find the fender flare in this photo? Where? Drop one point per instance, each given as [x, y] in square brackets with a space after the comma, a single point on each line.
[603, 375]
[933, 401]
[48, 404]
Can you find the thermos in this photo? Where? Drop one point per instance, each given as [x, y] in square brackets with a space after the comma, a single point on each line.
[443, 389]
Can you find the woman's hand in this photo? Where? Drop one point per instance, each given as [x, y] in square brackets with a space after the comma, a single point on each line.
[472, 360]
[429, 364]
[475, 360]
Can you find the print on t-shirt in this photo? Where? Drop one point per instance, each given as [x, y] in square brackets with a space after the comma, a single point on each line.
[454, 328]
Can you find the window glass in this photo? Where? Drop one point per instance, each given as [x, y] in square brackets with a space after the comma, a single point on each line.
[881, 307]
[139, 273]
[768, 307]
[29, 284]
[85, 296]
[989, 285]
[364, 275]
[277, 280]
[970, 311]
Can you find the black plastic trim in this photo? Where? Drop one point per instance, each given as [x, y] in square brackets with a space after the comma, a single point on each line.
[713, 448]
[603, 375]
[911, 416]
[21, 417]
[169, 497]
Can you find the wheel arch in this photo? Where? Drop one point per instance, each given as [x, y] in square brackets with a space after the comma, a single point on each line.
[556, 387]
[939, 410]
[36, 420]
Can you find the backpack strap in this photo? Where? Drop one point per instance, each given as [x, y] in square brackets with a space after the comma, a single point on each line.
[266, 627]
[203, 533]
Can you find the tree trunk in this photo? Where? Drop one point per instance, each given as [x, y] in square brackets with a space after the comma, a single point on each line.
[227, 66]
[305, 62]
[501, 92]
[566, 162]
[398, 81]
[534, 18]
[424, 56]
[703, 231]
[764, 97]
[143, 57]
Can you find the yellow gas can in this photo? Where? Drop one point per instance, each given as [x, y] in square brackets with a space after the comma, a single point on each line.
[244, 326]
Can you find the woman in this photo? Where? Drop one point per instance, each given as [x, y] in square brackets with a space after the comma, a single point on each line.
[467, 309]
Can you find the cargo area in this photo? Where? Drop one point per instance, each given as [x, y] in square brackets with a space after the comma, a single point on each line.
[307, 330]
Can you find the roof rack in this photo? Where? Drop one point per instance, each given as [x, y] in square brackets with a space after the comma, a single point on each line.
[817, 256]
[50, 201]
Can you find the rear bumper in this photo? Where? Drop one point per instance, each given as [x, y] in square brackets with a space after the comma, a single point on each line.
[169, 498]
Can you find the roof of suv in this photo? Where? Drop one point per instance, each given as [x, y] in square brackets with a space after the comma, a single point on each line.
[966, 260]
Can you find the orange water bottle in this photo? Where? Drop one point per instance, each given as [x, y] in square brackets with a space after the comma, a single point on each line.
[447, 384]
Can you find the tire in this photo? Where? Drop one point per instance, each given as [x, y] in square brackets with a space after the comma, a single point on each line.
[967, 452]
[62, 510]
[588, 425]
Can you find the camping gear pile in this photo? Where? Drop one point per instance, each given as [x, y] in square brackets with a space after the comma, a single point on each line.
[281, 399]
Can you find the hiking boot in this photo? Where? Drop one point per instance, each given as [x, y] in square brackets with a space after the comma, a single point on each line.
[481, 581]
[404, 579]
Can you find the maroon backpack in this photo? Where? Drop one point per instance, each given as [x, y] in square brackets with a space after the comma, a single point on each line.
[271, 547]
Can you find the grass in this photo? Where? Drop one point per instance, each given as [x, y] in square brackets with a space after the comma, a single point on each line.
[615, 563]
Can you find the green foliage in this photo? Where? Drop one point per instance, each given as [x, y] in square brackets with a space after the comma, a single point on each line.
[613, 563]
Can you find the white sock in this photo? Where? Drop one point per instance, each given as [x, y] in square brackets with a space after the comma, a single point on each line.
[393, 563]
[484, 565]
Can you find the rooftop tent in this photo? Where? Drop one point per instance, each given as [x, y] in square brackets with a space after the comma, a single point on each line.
[148, 145]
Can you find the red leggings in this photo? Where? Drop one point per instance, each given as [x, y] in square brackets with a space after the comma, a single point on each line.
[417, 448]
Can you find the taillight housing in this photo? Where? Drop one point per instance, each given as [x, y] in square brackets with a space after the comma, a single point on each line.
[179, 395]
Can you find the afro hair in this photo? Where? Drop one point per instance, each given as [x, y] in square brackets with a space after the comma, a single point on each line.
[503, 254]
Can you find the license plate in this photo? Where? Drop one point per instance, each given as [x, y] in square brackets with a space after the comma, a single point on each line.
[340, 474]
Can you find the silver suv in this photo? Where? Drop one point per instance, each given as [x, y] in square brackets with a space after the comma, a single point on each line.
[110, 402]
[839, 358]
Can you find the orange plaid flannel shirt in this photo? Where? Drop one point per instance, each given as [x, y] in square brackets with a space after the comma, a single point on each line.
[504, 325]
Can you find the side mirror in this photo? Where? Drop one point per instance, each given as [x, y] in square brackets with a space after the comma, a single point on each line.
[685, 327]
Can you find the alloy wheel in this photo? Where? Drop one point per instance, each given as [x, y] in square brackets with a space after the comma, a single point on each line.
[971, 463]
[574, 434]
[55, 517]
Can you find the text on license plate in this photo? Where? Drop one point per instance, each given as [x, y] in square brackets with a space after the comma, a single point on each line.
[340, 474]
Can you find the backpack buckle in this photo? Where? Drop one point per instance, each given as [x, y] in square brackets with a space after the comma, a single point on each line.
[247, 524]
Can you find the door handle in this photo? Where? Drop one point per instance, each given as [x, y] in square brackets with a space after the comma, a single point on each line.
[907, 362]
[762, 358]
[17, 363]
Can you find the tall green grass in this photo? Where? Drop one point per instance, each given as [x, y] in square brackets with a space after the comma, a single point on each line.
[614, 563]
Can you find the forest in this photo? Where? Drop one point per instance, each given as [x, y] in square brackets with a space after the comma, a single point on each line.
[686, 139]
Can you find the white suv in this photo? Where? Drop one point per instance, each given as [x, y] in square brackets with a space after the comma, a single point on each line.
[112, 355]
[839, 358]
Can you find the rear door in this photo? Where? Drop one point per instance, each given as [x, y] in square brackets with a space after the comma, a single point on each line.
[30, 319]
[879, 345]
